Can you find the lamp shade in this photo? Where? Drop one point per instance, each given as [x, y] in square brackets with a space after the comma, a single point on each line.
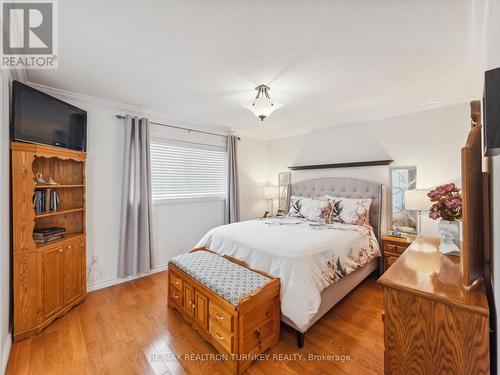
[262, 107]
[417, 200]
[271, 192]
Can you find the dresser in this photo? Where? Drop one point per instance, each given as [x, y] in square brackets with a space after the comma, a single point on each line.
[432, 324]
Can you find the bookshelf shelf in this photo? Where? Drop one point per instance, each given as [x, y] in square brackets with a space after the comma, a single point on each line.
[59, 212]
[57, 186]
[69, 238]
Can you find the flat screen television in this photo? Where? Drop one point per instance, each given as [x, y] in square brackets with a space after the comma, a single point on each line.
[491, 112]
[40, 118]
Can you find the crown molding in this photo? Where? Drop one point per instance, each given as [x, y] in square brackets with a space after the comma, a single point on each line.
[369, 115]
[152, 114]
[365, 115]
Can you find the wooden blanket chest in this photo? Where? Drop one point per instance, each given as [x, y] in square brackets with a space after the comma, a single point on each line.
[233, 307]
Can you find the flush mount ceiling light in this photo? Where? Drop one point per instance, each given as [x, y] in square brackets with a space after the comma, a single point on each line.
[262, 106]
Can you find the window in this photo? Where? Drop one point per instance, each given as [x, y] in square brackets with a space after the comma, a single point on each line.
[183, 170]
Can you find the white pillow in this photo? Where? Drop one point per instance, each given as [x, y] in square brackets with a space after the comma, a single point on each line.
[320, 210]
[350, 210]
[313, 209]
[299, 206]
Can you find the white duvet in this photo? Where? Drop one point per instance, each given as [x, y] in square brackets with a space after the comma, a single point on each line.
[307, 257]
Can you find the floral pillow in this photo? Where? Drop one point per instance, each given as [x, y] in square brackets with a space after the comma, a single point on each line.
[350, 210]
[299, 207]
[320, 210]
[313, 209]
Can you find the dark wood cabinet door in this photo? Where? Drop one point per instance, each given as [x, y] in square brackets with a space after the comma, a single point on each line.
[52, 279]
[73, 276]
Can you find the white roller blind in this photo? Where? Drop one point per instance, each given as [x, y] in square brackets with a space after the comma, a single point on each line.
[187, 170]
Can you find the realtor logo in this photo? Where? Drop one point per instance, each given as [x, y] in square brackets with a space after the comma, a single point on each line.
[29, 34]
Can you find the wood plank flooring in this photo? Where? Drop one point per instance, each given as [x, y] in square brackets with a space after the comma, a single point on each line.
[128, 329]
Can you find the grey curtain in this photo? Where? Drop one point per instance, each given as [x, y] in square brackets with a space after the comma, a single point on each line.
[136, 226]
[233, 190]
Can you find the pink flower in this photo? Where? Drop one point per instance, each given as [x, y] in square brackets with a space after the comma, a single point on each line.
[453, 202]
[435, 215]
[447, 202]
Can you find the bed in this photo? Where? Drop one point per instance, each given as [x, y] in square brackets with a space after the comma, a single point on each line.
[314, 273]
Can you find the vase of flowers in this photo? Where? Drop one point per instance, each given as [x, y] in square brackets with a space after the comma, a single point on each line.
[447, 206]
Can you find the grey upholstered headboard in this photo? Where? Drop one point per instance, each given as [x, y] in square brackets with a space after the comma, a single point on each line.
[348, 188]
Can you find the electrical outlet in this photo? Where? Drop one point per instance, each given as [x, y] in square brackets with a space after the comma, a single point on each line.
[95, 259]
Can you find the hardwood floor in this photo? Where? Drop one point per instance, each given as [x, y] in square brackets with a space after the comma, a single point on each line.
[128, 329]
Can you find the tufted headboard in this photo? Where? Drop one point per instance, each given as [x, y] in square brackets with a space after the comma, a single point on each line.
[347, 188]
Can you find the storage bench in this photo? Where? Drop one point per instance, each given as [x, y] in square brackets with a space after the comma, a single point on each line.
[233, 307]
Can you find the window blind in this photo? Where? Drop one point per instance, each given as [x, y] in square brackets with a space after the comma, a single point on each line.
[187, 170]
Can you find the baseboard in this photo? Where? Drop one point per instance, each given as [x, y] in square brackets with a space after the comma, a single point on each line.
[6, 351]
[118, 280]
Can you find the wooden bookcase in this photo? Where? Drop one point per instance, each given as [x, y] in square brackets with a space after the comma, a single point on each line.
[49, 278]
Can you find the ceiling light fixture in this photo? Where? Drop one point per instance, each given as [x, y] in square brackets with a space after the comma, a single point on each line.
[262, 106]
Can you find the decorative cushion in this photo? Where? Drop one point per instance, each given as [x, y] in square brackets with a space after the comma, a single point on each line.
[227, 279]
[299, 207]
[320, 209]
[349, 210]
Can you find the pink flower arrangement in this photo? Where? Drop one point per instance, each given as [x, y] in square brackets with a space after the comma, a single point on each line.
[447, 202]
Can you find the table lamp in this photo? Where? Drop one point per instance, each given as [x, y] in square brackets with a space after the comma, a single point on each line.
[271, 193]
[417, 200]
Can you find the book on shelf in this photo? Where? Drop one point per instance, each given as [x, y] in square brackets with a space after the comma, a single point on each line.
[49, 238]
[43, 235]
[46, 200]
[48, 230]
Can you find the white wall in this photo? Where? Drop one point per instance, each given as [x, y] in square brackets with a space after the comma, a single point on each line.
[430, 140]
[176, 227]
[5, 337]
[253, 176]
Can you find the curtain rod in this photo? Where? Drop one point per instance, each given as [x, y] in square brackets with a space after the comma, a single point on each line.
[182, 128]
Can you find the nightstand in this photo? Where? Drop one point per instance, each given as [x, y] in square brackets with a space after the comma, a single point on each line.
[392, 248]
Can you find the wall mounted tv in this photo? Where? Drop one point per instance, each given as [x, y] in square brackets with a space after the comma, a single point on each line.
[491, 109]
[41, 118]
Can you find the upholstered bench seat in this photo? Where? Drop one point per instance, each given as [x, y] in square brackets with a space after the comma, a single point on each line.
[227, 279]
[231, 306]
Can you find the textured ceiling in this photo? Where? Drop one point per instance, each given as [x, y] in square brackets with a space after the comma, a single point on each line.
[328, 62]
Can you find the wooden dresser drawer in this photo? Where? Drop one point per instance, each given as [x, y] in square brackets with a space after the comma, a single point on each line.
[221, 336]
[175, 295]
[175, 280]
[395, 249]
[221, 317]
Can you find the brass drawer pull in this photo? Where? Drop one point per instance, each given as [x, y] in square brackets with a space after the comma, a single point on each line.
[218, 336]
[176, 296]
[219, 317]
[193, 306]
